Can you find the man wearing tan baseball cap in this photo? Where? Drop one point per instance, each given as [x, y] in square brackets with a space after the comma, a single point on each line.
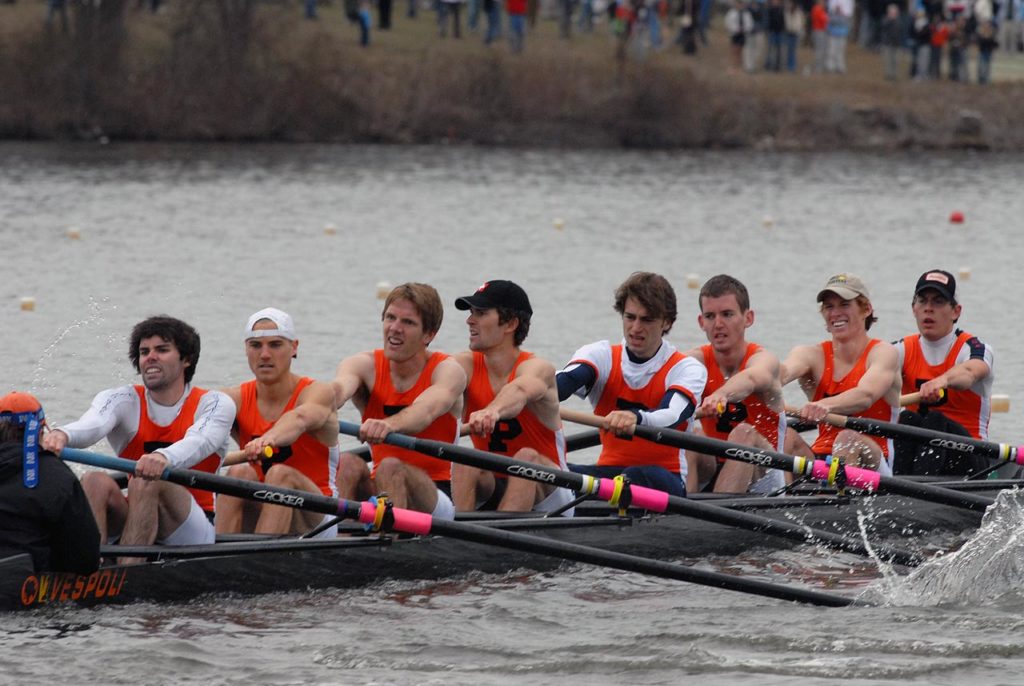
[851, 374]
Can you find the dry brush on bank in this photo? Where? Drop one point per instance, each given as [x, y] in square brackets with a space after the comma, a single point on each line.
[213, 70]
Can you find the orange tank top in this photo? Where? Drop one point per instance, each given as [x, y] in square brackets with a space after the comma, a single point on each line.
[152, 437]
[306, 454]
[829, 387]
[966, 407]
[617, 395]
[510, 435]
[751, 410]
[385, 401]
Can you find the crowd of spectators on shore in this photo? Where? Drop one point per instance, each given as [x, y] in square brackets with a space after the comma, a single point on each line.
[921, 39]
[920, 32]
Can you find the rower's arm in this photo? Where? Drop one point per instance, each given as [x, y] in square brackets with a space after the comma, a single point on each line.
[313, 411]
[574, 377]
[109, 409]
[354, 374]
[443, 395]
[759, 376]
[878, 379]
[959, 378]
[207, 435]
[534, 382]
[685, 381]
[798, 364]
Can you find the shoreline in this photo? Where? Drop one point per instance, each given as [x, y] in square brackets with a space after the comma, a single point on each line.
[178, 78]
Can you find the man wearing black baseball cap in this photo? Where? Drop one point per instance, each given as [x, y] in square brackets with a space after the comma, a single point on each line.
[952, 371]
[511, 404]
[497, 293]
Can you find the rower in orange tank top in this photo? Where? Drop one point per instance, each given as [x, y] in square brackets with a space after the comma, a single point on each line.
[510, 405]
[868, 382]
[829, 386]
[288, 430]
[306, 454]
[403, 388]
[751, 410]
[386, 401]
[151, 437]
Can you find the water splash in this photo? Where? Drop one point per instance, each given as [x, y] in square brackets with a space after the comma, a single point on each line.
[96, 311]
[986, 570]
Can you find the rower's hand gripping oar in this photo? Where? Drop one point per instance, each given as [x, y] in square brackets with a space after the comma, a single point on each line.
[637, 496]
[409, 521]
[855, 477]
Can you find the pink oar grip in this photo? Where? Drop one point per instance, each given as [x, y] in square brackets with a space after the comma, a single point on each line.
[1020, 454]
[407, 521]
[855, 476]
[649, 499]
[642, 497]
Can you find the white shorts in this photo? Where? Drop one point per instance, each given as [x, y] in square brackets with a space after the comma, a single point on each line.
[329, 532]
[195, 530]
[556, 499]
[772, 481]
[444, 508]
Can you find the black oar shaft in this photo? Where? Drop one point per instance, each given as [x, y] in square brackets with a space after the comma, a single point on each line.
[644, 498]
[936, 439]
[632, 563]
[419, 523]
[857, 477]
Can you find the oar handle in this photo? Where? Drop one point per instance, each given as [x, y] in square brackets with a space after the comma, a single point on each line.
[577, 417]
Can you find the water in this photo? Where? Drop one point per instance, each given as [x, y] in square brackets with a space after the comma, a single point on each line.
[211, 234]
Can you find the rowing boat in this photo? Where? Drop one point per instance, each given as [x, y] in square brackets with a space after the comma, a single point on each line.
[247, 565]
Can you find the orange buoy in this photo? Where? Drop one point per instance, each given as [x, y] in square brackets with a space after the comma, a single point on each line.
[956, 217]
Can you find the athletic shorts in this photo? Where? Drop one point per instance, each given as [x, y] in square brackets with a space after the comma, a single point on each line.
[444, 509]
[556, 499]
[197, 529]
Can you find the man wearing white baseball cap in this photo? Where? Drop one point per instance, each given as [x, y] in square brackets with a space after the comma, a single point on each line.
[952, 370]
[852, 374]
[291, 415]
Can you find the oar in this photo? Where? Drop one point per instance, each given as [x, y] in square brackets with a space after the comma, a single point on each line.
[856, 477]
[640, 496]
[998, 402]
[584, 439]
[935, 439]
[409, 521]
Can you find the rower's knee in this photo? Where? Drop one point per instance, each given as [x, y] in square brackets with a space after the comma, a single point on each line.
[531, 455]
[142, 488]
[242, 471]
[389, 469]
[744, 434]
[352, 470]
[98, 484]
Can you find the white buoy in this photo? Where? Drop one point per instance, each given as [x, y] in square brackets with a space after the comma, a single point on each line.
[1000, 402]
[330, 229]
[383, 288]
[28, 304]
[73, 233]
[965, 273]
[692, 281]
[559, 223]
[768, 221]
